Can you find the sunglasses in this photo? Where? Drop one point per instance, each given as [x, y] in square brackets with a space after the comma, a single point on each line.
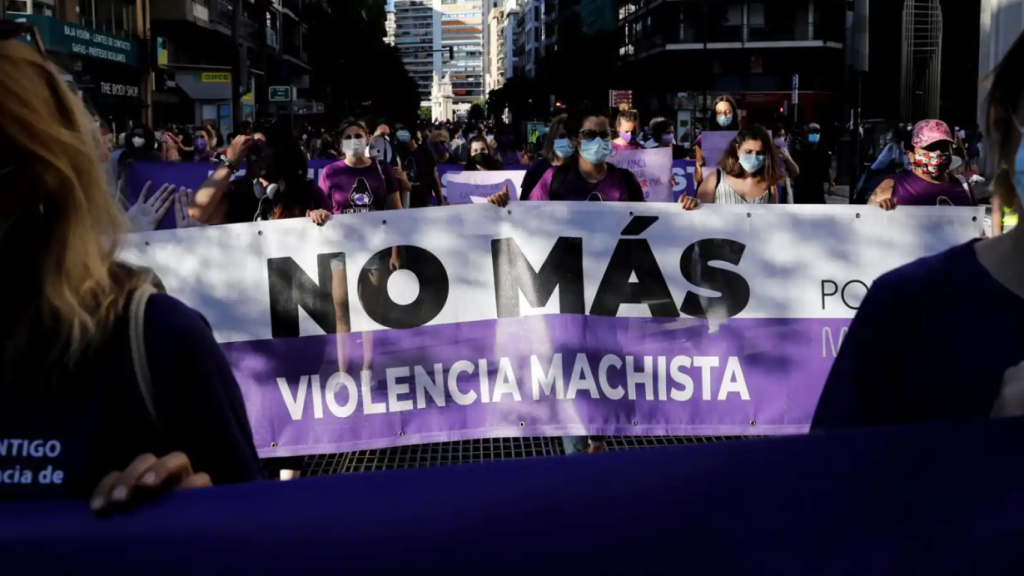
[11, 30]
[593, 134]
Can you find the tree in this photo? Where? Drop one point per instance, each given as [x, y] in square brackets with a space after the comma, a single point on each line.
[426, 113]
[496, 103]
[476, 113]
[369, 81]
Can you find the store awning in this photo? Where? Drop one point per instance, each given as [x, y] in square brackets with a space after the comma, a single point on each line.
[205, 85]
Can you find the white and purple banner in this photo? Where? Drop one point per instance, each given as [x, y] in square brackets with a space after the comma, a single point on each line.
[539, 318]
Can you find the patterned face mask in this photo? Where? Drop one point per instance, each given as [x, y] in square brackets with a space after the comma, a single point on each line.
[932, 163]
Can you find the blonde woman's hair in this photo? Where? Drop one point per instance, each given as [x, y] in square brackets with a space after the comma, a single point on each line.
[76, 290]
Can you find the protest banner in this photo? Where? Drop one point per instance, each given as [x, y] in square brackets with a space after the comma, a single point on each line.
[542, 319]
[713, 145]
[919, 500]
[481, 184]
[685, 184]
[185, 175]
[652, 169]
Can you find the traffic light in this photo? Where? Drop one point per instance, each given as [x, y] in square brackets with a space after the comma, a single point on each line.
[451, 53]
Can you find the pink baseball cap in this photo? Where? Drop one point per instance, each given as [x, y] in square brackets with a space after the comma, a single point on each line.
[930, 131]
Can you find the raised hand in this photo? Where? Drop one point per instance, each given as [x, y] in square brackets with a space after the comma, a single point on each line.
[182, 200]
[146, 215]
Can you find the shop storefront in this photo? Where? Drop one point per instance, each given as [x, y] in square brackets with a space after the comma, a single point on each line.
[109, 70]
[210, 91]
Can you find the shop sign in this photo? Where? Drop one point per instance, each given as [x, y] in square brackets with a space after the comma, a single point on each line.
[62, 36]
[118, 89]
[210, 77]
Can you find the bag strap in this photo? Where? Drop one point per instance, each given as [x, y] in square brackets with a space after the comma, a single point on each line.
[137, 342]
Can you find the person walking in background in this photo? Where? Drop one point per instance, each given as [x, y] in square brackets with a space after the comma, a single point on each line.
[172, 146]
[480, 157]
[508, 151]
[420, 168]
[70, 368]
[815, 169]
[663, 135]
[626, 124]
[439, 146]
[558, 147]
[201, 145]
[727, 118]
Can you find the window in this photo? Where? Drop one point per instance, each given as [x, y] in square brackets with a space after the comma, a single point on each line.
[755, 15]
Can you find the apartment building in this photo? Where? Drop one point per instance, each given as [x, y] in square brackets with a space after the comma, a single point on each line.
[755, 50]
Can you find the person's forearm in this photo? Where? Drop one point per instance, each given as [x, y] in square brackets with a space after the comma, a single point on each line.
[210, 193]
[394, 201]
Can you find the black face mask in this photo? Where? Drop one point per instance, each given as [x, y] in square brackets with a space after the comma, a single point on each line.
[480, 159]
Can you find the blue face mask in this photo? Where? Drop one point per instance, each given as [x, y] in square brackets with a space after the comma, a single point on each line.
[403, 136]
[596, 151]
[751, 162]
[725, 121]
[813, 138]
[563, 148]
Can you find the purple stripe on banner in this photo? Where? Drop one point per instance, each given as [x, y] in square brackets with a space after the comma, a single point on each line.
[745, 376]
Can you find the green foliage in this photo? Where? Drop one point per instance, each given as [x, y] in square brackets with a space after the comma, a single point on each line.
[370, 82]
[425, 113]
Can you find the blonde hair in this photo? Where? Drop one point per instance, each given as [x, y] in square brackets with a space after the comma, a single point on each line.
[80, 290]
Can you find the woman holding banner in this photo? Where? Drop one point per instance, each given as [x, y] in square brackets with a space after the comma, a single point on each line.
[905, 359]
[123, 393]
[359, 184]
[558, 147]
[749, 171]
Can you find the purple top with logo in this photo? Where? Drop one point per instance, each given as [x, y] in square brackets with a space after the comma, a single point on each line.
[610, 189]
[909, 189]
[350, 190]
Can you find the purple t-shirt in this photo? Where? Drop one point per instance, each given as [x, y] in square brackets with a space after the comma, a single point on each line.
[908, 355]
[350, 190]
[576, 188]
[910, 189]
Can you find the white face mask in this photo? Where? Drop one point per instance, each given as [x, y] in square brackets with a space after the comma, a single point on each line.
[138, 142]
[355, 147]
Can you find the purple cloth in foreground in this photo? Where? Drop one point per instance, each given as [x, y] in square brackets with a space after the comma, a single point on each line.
[932, 500]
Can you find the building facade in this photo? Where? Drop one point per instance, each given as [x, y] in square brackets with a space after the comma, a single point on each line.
[493, 54]
[389, 23]
[101, 46]
[462, 36]
[443, 38]
[195, 54]
[418, 39]
[681, 55]
[529, 36]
